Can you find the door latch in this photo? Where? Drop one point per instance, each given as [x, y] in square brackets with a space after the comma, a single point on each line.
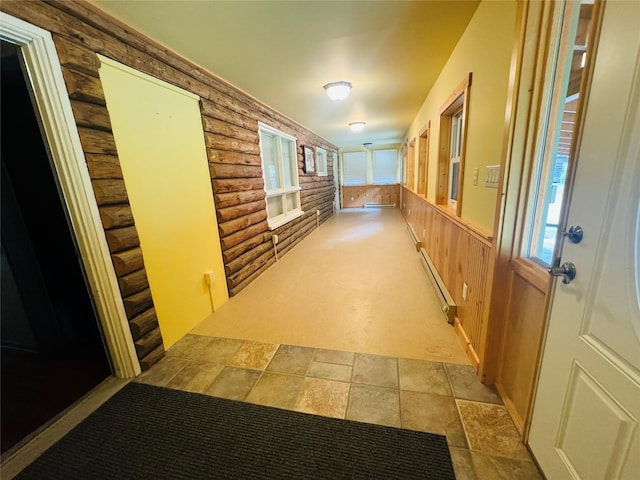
[567, 271]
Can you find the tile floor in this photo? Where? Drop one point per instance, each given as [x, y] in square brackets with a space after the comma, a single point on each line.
[423, 395]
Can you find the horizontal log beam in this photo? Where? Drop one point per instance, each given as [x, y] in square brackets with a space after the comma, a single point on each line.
[235, 251]
[143, 323]
[127, 261]
[246, 258]
[237, 224]
[110, 191]
[75, 57]
[233, 158]
[224, 170]
[133, 282]
[147, 343]
[237, 211]
[116, 216]
[152, 358]
[137, 303]
[91, 115]
[242, 235]
[225, 200]
[220, 142]
[229, 130]
[227, 185]
[223, 113]
[83, 87]
[103, 166]
[97, 141]
[123, 238]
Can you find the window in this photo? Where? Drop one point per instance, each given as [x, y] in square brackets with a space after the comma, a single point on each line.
[454, 157]
[385, 167]
[280, 172]
[453, 118]
[423, 160]
[321, 155]
[556, 151]
[354, 168]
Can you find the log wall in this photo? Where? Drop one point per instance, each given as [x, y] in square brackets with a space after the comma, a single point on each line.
[230, 123]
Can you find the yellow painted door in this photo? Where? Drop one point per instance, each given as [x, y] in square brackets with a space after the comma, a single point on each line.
[158, 133]
[586, 413]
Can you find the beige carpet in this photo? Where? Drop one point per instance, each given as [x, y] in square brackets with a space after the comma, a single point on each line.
[354, 284]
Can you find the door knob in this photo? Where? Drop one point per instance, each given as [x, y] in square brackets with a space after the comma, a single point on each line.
[567, 271]
[574, 234]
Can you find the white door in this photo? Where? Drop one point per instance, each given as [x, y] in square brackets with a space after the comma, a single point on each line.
[587, 404]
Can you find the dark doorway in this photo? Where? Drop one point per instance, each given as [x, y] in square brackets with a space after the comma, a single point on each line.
[51, 348]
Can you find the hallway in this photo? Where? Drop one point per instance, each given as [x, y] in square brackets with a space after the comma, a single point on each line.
[355, 284]
[395, 362]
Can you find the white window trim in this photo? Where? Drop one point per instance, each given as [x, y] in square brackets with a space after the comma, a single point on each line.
[323, 169]
[280, 220]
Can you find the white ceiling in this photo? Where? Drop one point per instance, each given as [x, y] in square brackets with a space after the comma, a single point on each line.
[283, 52]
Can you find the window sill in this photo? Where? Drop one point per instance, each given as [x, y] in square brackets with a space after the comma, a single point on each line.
[279, 221]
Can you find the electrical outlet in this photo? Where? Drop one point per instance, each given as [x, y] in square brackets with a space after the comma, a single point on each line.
[275, 239]
[465, 289]
[209, 278]
[318, 213]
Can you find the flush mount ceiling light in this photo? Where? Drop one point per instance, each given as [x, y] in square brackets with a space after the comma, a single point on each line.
[337, 90]
[357, 126]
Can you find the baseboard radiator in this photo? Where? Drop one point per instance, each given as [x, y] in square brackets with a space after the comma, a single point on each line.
[378, 205]
[414, 237]
[446, 300]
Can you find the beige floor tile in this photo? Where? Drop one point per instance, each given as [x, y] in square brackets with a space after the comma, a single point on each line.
[256, 355]
[375, 370]
[234, 383]
[372, 404]
[163, 371]
[276, 390]
[334, 356]
[423, 376]
[330, 371]
[463, 464]
[432, 413]
[488, 467]
[189, 346]
[323, 397]
[196, 377]
[466, 385]
[490, 430]
[291, 359]
[219, 350]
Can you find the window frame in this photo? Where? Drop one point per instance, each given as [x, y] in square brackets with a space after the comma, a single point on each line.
[322, 161]
[456, 104]
[282, 192]
[344, 168]
[373, 166]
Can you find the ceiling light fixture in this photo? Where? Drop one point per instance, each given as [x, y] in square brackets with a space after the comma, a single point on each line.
[337, 90]
[367, 145]
[357, 126]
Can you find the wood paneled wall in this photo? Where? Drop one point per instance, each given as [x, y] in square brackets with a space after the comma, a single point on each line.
[230, 121]
[358, 196]
[461, 255]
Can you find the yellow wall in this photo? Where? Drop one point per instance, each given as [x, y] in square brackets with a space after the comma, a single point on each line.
[158, 133]
[485, 50]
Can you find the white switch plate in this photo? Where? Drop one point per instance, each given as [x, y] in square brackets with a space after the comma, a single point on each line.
[475, 176]
[465, 288]
[493, 176]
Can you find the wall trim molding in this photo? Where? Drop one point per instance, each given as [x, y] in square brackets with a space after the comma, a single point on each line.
[58, 125]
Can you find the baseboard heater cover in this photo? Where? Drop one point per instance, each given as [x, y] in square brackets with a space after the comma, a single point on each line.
[446, 300]
[378, 205]
[414, 237]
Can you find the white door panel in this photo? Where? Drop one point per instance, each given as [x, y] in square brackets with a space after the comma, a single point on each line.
[587, 408]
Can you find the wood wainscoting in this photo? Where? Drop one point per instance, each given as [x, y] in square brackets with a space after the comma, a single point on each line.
[360, 195]
[462, 255]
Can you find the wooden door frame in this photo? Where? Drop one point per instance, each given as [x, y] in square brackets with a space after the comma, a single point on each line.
[72, 176]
